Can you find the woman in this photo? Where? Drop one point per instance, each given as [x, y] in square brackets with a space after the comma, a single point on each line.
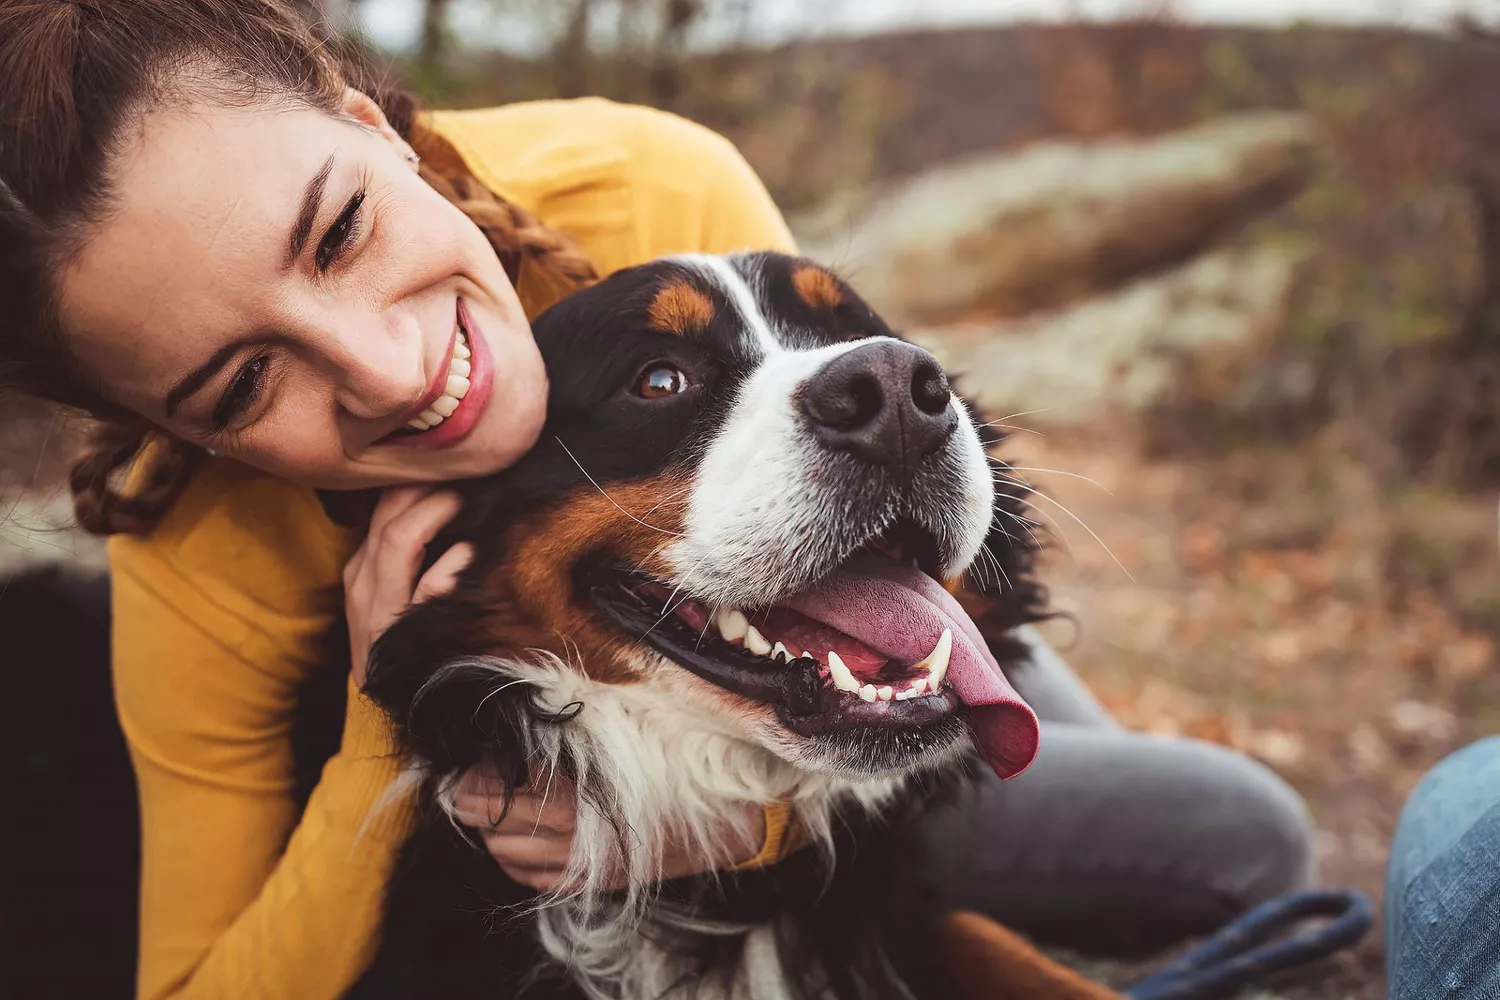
[222, 240]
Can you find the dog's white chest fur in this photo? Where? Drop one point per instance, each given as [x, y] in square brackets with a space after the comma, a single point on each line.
[660, 765]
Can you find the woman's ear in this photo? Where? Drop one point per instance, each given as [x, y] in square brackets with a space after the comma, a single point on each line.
[357, 105]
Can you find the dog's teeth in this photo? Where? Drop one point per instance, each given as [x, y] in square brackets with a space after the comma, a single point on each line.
[780, 652]
[936, 662]
[918, 686]
[843, 677]
[867, 693]
[885, 692]
[755, 642]
[732, 624]
[905, 695]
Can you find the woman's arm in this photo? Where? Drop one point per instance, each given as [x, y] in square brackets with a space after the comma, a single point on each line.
[239, 898]
[219, 618]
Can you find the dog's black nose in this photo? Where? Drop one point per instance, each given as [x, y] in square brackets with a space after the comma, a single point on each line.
[886, 402]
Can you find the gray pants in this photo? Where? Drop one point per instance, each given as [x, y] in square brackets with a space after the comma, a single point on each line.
[1114, 841]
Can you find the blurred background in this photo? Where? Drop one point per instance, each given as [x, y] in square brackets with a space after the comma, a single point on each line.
[1230, 268]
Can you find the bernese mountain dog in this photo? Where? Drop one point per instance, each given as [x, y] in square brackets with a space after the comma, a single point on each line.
[728, 575]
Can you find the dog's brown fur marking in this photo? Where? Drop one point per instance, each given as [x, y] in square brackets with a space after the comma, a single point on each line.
[681, 309]
[537, 575]
[817, 287]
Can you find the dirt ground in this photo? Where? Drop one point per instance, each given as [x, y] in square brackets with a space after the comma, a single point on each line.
[1280, 604]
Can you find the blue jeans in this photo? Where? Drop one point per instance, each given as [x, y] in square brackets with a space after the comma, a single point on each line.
[1442, 895]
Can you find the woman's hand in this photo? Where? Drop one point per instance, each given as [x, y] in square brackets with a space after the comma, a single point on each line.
[532, 842]
[380, 579]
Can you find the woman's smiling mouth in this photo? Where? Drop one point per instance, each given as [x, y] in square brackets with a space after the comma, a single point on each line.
[458, 395]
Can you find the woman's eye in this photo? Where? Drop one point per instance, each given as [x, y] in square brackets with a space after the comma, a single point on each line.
[660, 380]
[242, 392]
[340, 235]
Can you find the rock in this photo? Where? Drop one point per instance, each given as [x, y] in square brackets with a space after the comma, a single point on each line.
[1056, 222]
[1117, 351]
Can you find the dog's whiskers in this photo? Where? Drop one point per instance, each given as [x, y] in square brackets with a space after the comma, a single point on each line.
[605, 493]
[1079, 521]
[1059, 472]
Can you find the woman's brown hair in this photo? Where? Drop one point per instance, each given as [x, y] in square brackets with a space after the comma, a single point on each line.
[72, 73]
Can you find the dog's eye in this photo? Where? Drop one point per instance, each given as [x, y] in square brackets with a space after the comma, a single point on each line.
[660, 380]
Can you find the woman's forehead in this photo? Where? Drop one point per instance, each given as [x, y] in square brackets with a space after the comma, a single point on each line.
[203, 200]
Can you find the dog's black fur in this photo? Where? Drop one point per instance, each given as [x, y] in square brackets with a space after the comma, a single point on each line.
[455, 925]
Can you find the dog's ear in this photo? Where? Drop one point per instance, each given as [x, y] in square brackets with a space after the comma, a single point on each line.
[440, 675]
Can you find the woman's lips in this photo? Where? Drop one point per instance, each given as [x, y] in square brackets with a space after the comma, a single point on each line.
[457, 425]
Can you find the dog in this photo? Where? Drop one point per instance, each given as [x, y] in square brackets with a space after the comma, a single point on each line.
[728, 575]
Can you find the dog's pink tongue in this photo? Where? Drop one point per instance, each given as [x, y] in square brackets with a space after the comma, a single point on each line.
[901, 612]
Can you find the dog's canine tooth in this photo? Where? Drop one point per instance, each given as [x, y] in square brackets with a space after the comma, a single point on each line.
[936, 662]
[867, 693]
[843, 677]
[732, 624]
[755, 642]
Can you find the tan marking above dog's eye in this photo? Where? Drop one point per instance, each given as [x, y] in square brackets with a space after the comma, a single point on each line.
[660, 380]
[817, 287]
[681, 309]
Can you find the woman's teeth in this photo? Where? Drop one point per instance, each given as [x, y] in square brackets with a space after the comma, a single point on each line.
[458, 386]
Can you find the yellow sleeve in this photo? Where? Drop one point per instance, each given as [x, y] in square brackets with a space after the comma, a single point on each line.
[695, 193]
[238, 897]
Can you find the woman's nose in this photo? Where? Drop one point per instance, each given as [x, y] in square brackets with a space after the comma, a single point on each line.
[379, 372]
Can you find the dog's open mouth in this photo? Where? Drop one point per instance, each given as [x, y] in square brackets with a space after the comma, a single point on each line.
[877, 643]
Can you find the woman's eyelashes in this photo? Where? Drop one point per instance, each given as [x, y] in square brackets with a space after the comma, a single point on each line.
[341, 235]
[246, 387]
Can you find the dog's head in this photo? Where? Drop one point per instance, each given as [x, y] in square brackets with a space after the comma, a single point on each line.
[749, 496]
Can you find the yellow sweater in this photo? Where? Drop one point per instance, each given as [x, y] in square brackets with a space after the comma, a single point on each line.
[219, 612]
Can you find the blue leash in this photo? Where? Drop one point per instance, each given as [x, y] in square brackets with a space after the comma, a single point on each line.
[1262, 941]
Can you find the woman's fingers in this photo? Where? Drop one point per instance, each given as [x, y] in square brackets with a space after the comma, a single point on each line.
[403, 539]
[443, 575]
[479, 801]
[380, 579]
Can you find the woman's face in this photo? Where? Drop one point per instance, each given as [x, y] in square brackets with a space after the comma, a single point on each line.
[278, 284]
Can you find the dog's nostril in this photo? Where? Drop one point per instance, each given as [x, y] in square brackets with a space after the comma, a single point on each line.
[929, 389]
[864, 402]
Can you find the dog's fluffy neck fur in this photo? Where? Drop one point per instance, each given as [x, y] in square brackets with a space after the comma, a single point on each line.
[653, 768]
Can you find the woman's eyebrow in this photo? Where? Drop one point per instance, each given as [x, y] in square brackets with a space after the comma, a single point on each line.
[307, 214]
[200, 376]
